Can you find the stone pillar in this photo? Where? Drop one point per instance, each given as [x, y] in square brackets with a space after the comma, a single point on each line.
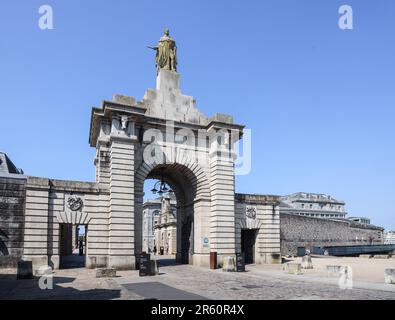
[102, 163]
[74, 237]
[146, 228]
[173, 240]
[102, 159]
[268, 241]
[122, 213]
[36, 222]
[138, 224]
[201, 234]
[222, 220]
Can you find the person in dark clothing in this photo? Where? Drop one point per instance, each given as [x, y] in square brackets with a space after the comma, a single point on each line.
[81, 247]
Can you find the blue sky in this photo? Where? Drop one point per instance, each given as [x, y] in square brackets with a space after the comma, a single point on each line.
[319, 100]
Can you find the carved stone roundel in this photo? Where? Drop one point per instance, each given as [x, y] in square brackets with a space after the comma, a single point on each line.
[75, 203]
[251, 212]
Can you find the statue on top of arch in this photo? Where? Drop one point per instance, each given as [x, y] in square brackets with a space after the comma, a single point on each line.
[166, 53]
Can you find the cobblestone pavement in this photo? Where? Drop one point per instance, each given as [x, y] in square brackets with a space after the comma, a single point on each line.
[67, 284]
[216, 285]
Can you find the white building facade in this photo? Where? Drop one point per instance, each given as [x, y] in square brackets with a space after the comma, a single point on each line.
[165, 230]
[313, 205]
[152, 210]
[389, 237]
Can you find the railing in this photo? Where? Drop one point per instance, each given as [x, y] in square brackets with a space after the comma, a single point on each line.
[349, 250]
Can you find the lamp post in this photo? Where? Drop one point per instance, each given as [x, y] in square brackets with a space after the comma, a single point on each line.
[161, 187]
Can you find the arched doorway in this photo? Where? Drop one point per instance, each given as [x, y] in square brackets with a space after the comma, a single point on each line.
[189, 193]
[73, 235]
[72, 245]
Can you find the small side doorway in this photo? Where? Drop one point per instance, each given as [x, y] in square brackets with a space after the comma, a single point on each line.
[248, 238]
[72, 245]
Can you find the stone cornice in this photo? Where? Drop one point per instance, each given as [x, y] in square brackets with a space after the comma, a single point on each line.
[257, 199]
[54, 185]
[138, 113]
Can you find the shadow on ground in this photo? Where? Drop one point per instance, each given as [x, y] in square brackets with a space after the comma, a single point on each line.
[167, 262]
[72, 261]
[13, 289]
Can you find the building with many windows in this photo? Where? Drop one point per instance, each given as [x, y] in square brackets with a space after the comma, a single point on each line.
[361, 220]
[389, 237]
[313, 205]
[151, 219]
[315, 220]
[166, 229]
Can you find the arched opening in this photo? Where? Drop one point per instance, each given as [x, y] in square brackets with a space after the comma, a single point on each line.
[72, 245]
[183, 183]
[160, 222]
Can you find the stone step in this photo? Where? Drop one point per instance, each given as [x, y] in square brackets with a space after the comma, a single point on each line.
[24, 270]
[106, 273]
[294, 268]
[389, 275]
[307, 262]
[229, 264]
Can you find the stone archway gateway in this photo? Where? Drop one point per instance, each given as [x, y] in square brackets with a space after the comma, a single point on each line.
[163, 135]
[189, 189]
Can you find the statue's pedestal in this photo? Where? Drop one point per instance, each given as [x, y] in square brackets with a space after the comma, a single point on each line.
[167, 102]
[168, 81]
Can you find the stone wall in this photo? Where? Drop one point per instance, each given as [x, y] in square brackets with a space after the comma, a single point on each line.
[266, 220]
[46, 209]
[12, 215]
[298, 231]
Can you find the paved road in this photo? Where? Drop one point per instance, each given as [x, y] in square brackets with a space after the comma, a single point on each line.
[182, 282]
[218, 285]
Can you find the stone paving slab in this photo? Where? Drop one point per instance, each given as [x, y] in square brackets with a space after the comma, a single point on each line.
[160, 291]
